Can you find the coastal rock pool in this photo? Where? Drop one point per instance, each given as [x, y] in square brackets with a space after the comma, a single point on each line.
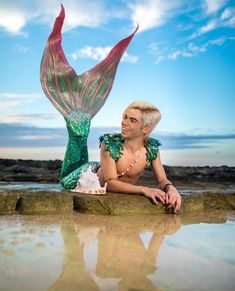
[93, 252]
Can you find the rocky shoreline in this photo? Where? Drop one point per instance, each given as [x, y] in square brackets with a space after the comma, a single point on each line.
[12, 170]
[31, 187]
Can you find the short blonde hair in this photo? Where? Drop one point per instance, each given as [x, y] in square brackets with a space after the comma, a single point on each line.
[150, 114]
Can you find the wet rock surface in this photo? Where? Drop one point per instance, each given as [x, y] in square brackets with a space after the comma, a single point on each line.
[49, 171]
[35, 198]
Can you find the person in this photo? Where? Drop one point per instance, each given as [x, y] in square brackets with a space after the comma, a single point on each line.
[78, 98]
[124, 157]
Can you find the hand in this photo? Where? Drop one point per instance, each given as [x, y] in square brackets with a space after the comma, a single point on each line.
[173, 199]
[154, 193]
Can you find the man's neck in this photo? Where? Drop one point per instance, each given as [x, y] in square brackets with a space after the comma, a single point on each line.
[134, 144]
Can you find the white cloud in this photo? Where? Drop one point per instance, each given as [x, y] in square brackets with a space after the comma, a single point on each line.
[99, 53]
[10, 99]
[227, 13]
[174, 55]
[231, 22]
[12, 20]
[218, 41]
[9, 103]
[226, 19]
[213, 6]
[158, 54]
[153, 13]
[35, 137]
[18, 118]
[19, 95]
[190, 51]
[14, 15]
[211, 25]
[20, 49]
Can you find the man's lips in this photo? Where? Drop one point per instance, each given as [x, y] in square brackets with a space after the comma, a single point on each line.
[124, 129]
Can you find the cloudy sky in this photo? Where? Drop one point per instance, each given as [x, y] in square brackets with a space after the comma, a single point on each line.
[182, 59]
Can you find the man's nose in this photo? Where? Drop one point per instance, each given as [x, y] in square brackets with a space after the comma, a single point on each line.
[124, 122]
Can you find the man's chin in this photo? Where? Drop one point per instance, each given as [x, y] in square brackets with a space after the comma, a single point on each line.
[124, 133]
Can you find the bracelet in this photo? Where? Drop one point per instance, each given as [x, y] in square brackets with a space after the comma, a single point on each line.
[165, 187]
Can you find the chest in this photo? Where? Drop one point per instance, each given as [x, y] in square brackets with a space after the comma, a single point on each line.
[132, 164]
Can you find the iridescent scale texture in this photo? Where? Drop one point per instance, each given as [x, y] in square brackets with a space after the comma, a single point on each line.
[77, 97]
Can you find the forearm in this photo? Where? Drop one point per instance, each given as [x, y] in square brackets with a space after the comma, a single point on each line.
[119, 186]
[163, 184]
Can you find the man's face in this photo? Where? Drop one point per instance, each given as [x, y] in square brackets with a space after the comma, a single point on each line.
[132, 124]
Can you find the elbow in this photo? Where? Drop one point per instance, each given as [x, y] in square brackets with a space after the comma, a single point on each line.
[111, 185]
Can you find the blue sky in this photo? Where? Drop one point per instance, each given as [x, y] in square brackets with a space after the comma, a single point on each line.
[182, 60]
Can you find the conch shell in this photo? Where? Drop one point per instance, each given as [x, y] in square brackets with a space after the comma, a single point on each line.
[89, 183]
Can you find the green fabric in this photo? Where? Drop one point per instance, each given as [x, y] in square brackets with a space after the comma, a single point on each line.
[76, 156]
[114, 144]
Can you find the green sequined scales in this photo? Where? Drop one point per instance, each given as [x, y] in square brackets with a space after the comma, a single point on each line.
[76, 156]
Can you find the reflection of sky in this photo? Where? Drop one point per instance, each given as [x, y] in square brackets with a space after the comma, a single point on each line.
[178, 149]
[28, 253]
[201, 255]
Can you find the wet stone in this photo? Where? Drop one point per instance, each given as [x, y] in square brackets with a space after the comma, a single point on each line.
[43, 199]
[8, 201]
[116, 204]
[46, 202]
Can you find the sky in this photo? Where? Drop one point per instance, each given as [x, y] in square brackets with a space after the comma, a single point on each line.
[182, 60]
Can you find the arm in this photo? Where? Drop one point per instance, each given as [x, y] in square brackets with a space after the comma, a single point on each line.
[109, 170]
[173, 198]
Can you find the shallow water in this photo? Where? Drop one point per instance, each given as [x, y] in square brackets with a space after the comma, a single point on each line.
[185, 188]
[90, 252]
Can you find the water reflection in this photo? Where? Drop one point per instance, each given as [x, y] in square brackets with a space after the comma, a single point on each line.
[90, 252]
[113, 256]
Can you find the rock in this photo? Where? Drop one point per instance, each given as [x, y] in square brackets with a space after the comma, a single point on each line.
[30, 170]
[34, 202]
[8, 201]
[49, 171]
[116, 204]
[31, 201]
[41, 202]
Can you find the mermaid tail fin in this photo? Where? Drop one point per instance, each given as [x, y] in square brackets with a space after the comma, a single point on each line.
[66, 90]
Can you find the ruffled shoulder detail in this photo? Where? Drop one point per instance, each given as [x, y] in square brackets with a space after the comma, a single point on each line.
[152, 147]
[113, 143]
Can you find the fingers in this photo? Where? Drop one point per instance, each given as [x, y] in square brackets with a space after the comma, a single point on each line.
[167, 199]
[171, 199]
[178, 204]
[154, 200]
[159, 197]
[162, 199]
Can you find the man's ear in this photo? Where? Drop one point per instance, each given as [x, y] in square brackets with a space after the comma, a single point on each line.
[147, 129]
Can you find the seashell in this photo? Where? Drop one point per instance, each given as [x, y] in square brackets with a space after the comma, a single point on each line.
[89, 183]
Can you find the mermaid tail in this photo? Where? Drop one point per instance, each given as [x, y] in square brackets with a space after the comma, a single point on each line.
[77, 97]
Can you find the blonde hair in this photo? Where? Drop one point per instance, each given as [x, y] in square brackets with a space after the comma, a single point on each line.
[150, 114]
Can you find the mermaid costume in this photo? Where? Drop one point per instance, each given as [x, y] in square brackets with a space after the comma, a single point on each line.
[77, 97]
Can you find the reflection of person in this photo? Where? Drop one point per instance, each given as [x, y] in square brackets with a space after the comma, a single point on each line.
[123, 255]
[74, 274]
[124, 258]
[124, 156]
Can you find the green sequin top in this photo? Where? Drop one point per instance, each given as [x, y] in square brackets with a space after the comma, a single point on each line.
[114, 144]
